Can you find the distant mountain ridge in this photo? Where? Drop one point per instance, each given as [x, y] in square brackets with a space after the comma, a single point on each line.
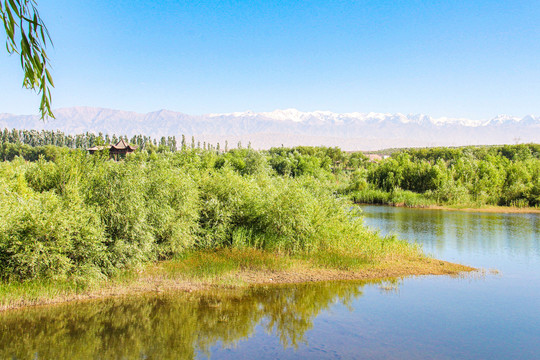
[350, 131]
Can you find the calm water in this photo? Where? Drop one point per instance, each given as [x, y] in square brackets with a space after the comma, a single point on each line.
[434, 317]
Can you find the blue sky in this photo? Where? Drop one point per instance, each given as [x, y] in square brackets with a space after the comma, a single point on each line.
[473, 59]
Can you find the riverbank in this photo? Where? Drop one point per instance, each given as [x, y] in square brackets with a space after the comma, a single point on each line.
[490, 209]
[466, 208]
[227, 269]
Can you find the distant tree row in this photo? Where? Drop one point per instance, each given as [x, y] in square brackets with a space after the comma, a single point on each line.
[474, 175]
[88, 139]
[30, 144]
[510, 152]
[79, 141]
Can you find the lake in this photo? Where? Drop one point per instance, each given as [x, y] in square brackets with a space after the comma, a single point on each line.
[494, 314]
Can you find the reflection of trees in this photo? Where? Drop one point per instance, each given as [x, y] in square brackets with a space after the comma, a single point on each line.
[174, 326]
[466, 232]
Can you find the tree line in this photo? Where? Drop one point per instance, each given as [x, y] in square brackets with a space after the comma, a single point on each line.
[474, 175]
[80, 141]
[471, 175]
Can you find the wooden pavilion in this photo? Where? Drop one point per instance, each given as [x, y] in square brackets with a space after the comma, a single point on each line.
[119, 150]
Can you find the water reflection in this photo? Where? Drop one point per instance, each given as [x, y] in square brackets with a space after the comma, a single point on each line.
[170, 326]
[462, 232]
[427, 317]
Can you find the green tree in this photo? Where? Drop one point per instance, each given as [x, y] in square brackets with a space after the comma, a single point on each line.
[27, 36]
[184, 142]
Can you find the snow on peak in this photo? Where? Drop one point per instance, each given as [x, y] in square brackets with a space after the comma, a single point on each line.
[456, 121]
[237, 114]
[503, 118]
[287, 115]
[320, 116]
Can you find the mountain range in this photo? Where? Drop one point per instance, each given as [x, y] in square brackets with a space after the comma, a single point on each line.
[290, 127]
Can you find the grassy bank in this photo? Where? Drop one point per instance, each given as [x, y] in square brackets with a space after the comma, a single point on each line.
[404, 198]
[393, 198]
[224, 268]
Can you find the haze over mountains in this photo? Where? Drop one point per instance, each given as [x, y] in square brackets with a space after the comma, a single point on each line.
[350, 131]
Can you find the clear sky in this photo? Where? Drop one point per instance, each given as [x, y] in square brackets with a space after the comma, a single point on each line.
[473, 58]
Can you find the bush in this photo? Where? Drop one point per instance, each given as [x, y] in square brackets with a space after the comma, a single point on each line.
[116, 192]
[87, 216]
[280, 214]
[41, 237]
[172, 207]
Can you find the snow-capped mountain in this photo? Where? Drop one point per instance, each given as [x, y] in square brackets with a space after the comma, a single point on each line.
[350, 131]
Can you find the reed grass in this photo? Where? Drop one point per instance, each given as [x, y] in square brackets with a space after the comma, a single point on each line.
[396, 197]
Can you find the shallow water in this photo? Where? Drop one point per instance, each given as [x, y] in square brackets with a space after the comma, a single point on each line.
[474, 317]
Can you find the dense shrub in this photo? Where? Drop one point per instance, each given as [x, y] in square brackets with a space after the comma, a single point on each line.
[64, 213]
[172, 205]
[87, 216]
[42, 236]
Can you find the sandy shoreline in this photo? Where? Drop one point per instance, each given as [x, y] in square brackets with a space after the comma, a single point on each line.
[246, 278]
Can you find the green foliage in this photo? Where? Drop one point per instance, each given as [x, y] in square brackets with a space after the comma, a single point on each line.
[41, 236]
[65, 214]
[74, 215]
[304, 160]
[244, 161]
[172, 208]
[116, 191]
[27, 36]
[265, 212]
[39, 139]
[489, 175]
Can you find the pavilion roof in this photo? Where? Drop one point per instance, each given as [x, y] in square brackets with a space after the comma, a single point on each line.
[120, 145]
